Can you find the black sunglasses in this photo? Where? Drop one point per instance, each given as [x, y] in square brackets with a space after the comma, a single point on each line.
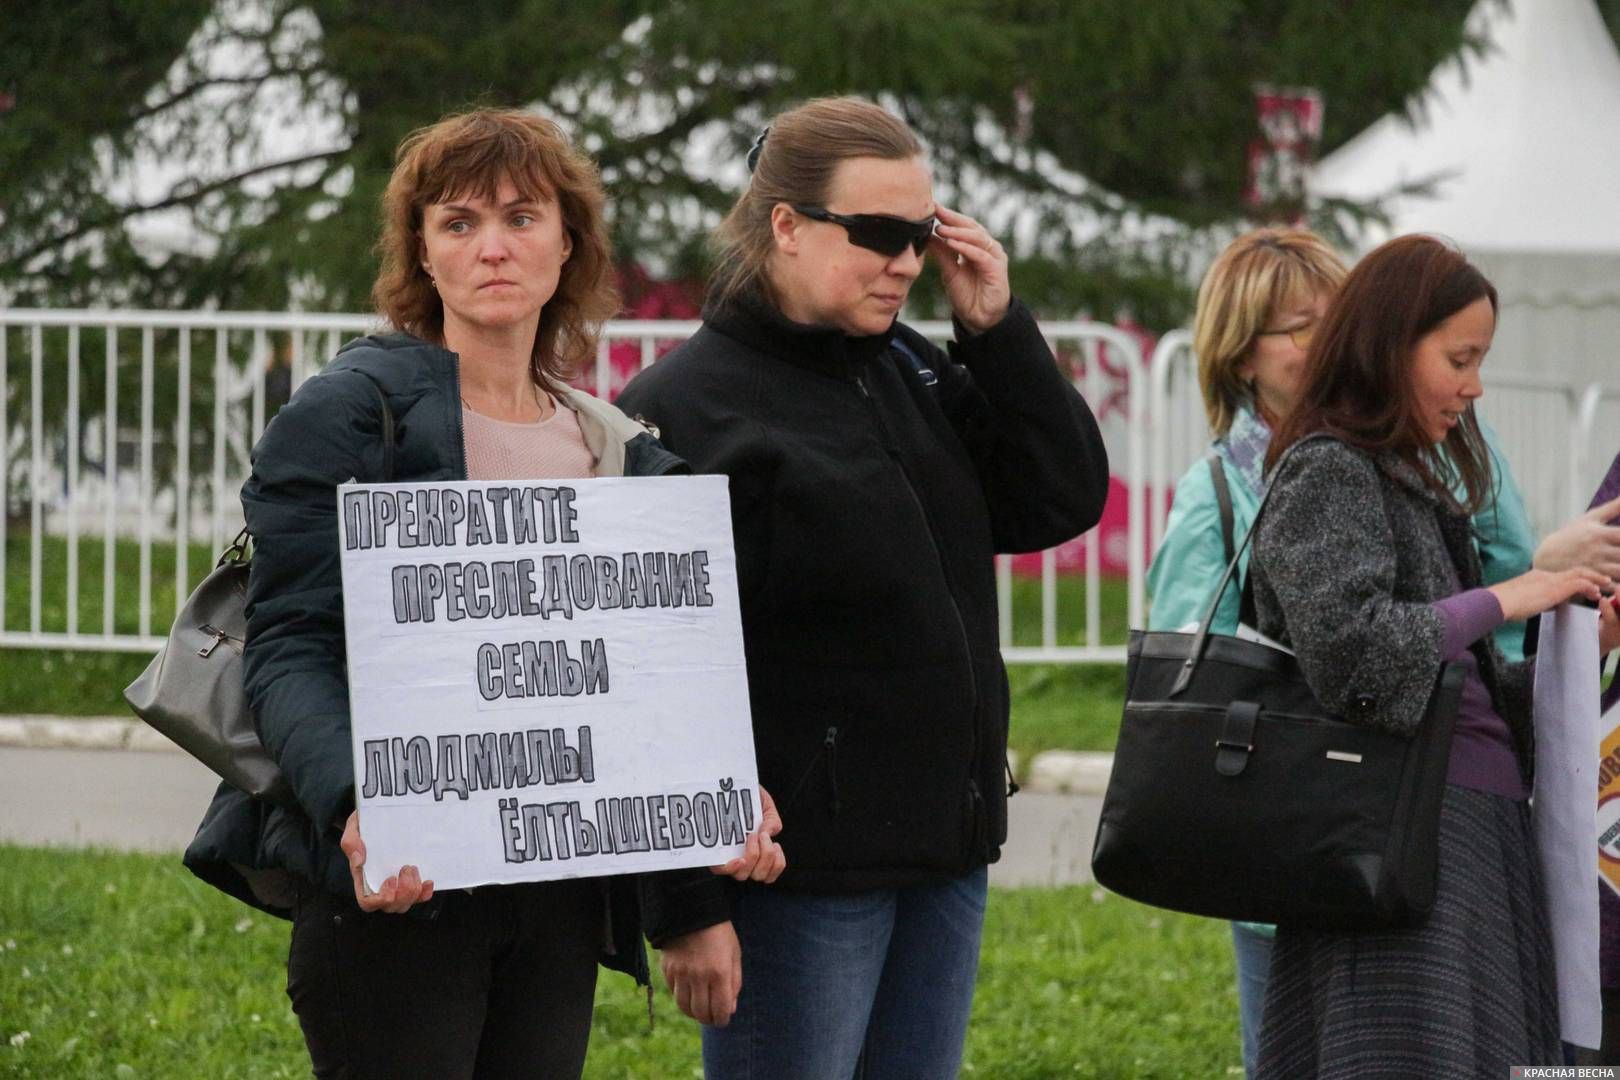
[877, 232]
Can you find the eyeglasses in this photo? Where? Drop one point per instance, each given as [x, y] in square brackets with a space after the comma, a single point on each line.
[1299, 335]
[877, 232]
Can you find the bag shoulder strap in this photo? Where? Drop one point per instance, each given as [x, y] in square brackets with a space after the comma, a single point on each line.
[386, 421]
[1223, 500]
[238, 551]
[1196, 651]
[915, 362]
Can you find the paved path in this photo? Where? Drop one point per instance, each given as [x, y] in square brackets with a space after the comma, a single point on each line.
[1048, 839]
[109, 798]
[152, 802]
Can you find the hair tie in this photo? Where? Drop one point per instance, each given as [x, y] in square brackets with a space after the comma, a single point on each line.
[759, 144]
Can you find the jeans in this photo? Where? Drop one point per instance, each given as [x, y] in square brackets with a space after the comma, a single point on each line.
[876, 985]
[1253, 951]
[498, 985]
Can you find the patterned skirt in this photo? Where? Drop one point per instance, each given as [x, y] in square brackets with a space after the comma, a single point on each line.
[1465, 995]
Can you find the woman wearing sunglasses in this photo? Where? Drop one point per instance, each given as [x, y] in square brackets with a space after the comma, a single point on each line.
[872, 477]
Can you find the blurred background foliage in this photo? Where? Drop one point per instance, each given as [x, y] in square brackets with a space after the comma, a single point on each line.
[189, 154]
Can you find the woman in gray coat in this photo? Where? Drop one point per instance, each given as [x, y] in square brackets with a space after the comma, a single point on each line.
[1364, 565]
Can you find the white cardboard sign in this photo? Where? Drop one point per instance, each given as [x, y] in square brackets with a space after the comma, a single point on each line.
[1564, 810]
[546, 679]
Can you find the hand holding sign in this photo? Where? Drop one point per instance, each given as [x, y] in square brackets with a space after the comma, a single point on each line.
[762, 858]
[1609, 624]
[398, 894]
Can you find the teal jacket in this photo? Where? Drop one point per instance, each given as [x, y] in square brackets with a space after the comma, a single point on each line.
[1191, 559]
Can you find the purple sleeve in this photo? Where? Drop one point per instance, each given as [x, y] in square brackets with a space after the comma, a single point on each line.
[1610, 486]
[1466, 617]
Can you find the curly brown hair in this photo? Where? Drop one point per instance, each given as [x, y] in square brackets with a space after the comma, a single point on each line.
[468, 154]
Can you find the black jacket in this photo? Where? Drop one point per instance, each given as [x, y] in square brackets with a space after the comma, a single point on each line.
[296, 680]
[869, 488]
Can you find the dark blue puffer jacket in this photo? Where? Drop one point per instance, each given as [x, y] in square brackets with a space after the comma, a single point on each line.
[330, 432]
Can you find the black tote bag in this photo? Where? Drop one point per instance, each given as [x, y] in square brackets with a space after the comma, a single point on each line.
[1235, 794]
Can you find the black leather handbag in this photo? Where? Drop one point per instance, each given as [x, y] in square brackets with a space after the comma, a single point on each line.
[1235, 794]
[192, 690]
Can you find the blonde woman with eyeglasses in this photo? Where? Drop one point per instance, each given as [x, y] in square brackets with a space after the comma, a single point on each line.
[1258, 306]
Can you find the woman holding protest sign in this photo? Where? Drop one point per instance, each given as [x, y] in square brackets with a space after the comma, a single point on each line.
[872, 477]
[1365, 565]
[496, 275]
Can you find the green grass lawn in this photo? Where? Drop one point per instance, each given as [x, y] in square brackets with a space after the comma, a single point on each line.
[1069, 706]
[1065, 707]
[91, 599]
[72, 682]
[125, 966]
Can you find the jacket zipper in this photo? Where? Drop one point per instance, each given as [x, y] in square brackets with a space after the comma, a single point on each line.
[218, 637]
[456, 417]
[828, 757]
[976, 823]
[829, 746]
[956, 609]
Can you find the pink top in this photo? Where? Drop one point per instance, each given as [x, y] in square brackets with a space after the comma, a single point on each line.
[549, 449]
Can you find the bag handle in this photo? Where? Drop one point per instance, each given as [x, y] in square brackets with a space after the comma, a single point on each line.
[387, 424]
[1200, 640]
[1223, 502]
[238, 549]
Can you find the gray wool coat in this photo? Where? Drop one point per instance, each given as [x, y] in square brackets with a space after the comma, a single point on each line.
[1350, 551]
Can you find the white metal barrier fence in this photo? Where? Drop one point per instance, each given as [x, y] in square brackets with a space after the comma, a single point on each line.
[124, 441]
[1549, 430]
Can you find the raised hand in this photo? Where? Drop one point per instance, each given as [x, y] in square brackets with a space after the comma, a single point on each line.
[973, 267]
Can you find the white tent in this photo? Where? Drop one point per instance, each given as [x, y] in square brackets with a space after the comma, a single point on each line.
[1523, 147]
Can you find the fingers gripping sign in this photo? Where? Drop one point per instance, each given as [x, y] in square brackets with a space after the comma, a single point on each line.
[399, 892]
[973, 268]
[762, 859]
[1535, 591]
[1609, 624]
